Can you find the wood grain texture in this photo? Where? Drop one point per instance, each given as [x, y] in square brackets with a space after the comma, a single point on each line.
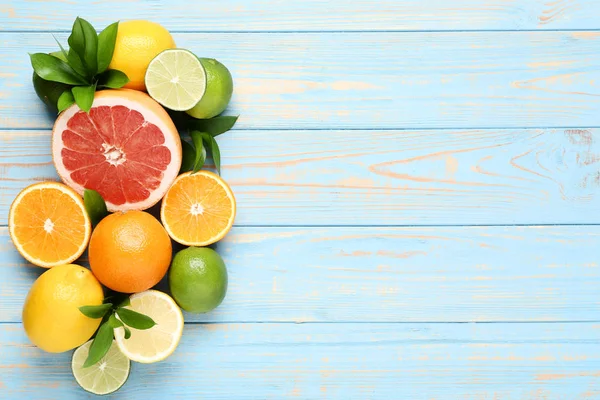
[310, 15]
[387, 275]
[372, 80]
[338, 361]
[381, 177]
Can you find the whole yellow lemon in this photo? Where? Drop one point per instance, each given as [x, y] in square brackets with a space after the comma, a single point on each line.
[51, 315]
[138, 42]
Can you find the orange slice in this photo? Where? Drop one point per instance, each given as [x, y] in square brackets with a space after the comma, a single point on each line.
[48, 224]
[198, 209]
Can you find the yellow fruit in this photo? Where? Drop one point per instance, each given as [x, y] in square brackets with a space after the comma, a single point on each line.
[51, 316]
[138, 42]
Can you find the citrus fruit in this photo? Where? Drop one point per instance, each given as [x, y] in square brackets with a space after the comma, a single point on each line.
[160, 341]
[198, 279]
[176, 79]
[104, 377]
[48, 224]
[129, 252]
[219, 87]
[51, 316]
[138, 42]
[126, 148]
[198, 209]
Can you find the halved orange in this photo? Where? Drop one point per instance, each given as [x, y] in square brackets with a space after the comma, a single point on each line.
[48, 224]
[198, 209]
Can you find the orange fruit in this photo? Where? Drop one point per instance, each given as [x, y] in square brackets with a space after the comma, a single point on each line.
[198, 209]
[126, 148]
[48, 224]
[129, 251]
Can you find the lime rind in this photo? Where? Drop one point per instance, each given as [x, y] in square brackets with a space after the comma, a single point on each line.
[106, 376]
[176, 79]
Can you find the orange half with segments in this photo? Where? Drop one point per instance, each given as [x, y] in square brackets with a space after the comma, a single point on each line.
[199, 209]
[48, 224]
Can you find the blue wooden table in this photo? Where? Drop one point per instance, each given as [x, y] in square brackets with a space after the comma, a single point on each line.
[418, 187]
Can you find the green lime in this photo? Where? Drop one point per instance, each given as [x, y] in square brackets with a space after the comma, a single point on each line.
[219, 87]
[198, 279]
[49, 91]
[104, 377]
[176, 79]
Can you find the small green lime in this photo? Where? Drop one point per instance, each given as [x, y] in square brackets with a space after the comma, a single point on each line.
[198, 279]
[49, 91]
[219, 87]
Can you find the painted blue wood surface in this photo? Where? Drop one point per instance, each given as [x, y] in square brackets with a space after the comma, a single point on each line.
[354, 118]
[373, 80]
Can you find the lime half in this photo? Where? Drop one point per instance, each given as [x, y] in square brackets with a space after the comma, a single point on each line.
[176, 79]
[104, 377]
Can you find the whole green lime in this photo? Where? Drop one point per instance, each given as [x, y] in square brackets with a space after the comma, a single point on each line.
[198, 279]
[219, 87]
[49, 91]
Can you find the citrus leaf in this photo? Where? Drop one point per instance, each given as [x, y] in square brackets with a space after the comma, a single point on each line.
[65, 101]
[135, 319]
[100, 345]
[114, 322]
[127, 332]
[76, 63]
[84, 41]
[94, 205]
[215, 126]
[53, 69]
[84, 96]
[106, 46]
[200, 158]
[125, 303]
[113, 78]
[212, 144]
[95, 312]
[189, 156]
[62, 50]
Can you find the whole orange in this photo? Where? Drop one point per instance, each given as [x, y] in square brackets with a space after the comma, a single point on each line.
[130, 251]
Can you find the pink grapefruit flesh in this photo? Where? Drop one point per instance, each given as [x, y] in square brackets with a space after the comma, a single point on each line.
[126, 148]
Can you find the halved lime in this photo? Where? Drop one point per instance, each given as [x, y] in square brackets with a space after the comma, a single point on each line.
[176, 79]
[104, 377]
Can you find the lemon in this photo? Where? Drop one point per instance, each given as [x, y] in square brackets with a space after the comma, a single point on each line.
[51, 316]
[138, 42]
[160, 341]
[104, 377]
[219, 88]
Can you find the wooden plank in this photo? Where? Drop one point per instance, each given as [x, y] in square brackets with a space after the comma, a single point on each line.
[388, 275]
[372, 80]
[311, 15]
[381, 177]
[338, 361]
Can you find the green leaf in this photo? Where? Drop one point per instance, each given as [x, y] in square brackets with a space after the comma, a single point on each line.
[84, 96]
[62, 50]
[95, 311]
[125, 303]
[189, 156]
[106, 46]
[215, 126]
[77, 64]
[53, 69]
[65, 101]
[200, 158]
[135, 319]
[100, 345]
[113, 78]
[84, 41]
[127, 332]
[94, 205]
[114, 322]
[212, 144]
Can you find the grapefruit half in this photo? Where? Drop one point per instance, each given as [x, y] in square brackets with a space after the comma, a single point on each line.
[127, 149]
